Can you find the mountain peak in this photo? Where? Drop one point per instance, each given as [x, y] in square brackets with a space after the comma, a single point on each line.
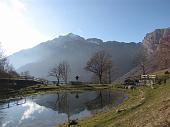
[72, 36]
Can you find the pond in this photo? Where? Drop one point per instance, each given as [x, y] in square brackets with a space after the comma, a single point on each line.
[48, 110]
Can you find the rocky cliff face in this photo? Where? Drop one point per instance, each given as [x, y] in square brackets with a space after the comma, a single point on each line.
[157, 44]
[153, 41]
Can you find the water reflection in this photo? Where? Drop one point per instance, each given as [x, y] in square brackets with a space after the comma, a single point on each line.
[32, 110]
[50, 109]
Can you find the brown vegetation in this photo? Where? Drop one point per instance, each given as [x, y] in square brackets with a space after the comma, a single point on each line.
[101, 65]
[61, 71]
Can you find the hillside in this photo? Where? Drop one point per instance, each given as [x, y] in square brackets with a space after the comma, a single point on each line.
[157, 45]
[76, 51]
[145, 107]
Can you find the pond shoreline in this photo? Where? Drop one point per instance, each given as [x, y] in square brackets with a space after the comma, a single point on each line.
[42, 89]
[138, 110]
[133, 100]
[85, 104]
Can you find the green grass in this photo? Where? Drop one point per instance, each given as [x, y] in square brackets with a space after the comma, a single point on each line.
[154, 112]
[103, 118]
[144, 107]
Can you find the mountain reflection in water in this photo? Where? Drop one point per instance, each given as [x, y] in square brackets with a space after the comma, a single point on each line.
[50, 109]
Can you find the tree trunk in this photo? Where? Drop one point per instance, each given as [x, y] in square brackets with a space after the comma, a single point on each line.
[109, 76]
[101, 99]
[143, 69]
[65, 80]
[58, 81]
[100, 79]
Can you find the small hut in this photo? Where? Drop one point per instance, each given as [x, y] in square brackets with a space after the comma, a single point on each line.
[148, 80]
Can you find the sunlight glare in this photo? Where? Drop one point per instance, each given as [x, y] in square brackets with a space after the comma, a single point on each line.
[16, 32]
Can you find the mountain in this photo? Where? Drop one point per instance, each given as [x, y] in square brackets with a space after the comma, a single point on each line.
[157, 45]
[76, 51]
[153, 39]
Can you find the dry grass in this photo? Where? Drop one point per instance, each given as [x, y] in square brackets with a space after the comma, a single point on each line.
[145, 107]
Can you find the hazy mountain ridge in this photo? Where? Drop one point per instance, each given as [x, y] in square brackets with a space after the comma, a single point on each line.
[76, 51]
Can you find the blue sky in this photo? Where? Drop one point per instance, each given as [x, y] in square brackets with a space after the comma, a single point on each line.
[120, 20]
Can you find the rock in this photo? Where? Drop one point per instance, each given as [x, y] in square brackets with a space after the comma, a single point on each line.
[73, 122]
[120, 110]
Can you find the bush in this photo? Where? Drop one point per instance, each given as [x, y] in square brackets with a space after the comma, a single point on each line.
[119, 86]
[167, 73]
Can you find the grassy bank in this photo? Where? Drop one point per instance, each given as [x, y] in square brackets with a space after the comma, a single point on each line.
[103, 118]
[145, 107]
[40, 89]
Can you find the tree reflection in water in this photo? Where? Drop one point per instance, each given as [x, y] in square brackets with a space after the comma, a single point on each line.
[65, 106]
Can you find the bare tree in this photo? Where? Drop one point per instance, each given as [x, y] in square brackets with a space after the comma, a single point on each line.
[3, 59]
[110, 72]
[11, 70]
[56, 72]
[6, 70]
[65, 68]
[61, 71]
[99, 63]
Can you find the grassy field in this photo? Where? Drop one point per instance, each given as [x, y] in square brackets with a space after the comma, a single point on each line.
[146, 107]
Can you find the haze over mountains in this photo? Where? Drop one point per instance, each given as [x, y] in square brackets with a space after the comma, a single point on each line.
[76, 51]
